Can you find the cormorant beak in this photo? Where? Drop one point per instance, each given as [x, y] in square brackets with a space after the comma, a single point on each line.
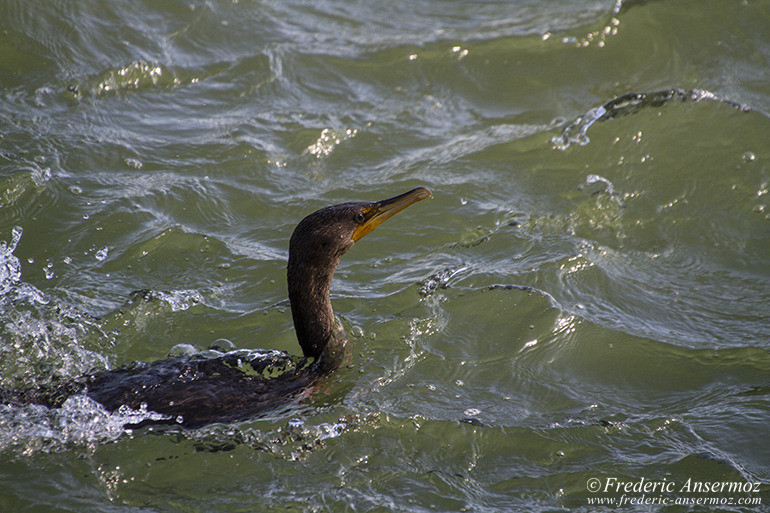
[380, 211]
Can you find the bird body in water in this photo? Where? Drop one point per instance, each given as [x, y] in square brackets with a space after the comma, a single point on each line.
[202, 389]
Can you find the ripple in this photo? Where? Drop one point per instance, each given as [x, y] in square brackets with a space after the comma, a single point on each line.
[21, 192]
[292, 440]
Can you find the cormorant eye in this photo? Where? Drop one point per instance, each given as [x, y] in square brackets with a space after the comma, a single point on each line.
[360, 217]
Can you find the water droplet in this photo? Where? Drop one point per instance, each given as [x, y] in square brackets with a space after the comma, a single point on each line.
[102, 253]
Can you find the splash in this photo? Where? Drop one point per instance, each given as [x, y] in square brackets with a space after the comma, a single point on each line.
[178, 299]
[441, 279]
[80, 421]
[597, 184]
[329, 140]
[41, 340]
[136, 75]
[631, 103]
[10, 267]
[12, 289]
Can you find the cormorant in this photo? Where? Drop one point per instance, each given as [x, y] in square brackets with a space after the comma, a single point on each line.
[201, 389]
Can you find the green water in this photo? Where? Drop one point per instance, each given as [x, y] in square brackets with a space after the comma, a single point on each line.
[579, 301]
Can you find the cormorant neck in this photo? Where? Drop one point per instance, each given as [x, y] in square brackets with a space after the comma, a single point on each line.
[319, 333]
[315, 249]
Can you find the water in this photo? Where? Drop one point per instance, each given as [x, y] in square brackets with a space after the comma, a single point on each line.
[586, 296]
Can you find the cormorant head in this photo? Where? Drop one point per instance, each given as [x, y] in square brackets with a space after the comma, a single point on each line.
[325, 235]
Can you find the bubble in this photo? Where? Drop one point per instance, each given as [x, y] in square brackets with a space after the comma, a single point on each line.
[223, 345]
[182, 350]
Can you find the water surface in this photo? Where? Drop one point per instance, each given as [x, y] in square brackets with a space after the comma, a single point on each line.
[586, 296]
